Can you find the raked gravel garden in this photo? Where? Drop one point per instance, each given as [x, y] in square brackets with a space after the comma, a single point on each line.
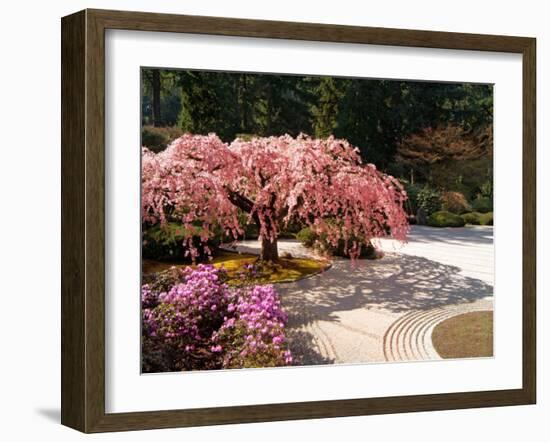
[387, 309]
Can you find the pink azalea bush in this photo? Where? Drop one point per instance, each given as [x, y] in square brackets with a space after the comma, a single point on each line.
[320, 183]
[201, 323]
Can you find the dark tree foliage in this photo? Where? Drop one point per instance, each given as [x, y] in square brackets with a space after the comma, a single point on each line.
[160, 97]
[209, 103]
[378, 116]
[372, 118]
[328, 92]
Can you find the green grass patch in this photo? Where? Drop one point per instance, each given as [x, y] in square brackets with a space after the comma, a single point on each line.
[469, 335]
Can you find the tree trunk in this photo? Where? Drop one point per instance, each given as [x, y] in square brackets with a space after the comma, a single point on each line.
[269, 250]
[156, 99]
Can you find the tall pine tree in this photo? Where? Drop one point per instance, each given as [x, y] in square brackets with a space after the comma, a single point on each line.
[328, 93]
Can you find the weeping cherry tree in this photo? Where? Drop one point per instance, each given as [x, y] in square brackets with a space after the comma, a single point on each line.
[322, 183]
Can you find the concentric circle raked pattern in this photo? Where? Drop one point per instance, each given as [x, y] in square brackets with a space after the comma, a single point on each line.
[409, 338]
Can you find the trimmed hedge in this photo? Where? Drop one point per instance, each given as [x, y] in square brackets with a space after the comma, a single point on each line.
[445, 219]
[473, 218]
[478, 219]
[487, 219]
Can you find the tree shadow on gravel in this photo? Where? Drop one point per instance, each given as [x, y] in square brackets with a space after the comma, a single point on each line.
[304, 348]
[396, 283]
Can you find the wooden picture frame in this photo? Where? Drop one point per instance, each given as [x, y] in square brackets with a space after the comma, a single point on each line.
[83, 220]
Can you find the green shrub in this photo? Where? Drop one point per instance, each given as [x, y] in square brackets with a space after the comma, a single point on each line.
[445, 219]
[482, 204]
[454, 202]
[306, 236]
[473, 218]
[166, 243]
[158, 138]
[310, 239]
[487, 219]
[429, 200]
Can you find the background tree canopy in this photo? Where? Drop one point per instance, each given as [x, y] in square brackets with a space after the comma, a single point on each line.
[423, 132]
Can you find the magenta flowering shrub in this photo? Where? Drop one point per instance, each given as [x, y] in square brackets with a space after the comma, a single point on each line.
[201, 323]
[254, 334]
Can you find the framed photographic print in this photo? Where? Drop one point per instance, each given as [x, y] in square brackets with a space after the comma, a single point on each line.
[267, 221]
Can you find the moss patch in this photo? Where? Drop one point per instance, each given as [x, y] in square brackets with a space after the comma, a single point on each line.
[149, 266]
[285, 270]
[469, 335]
